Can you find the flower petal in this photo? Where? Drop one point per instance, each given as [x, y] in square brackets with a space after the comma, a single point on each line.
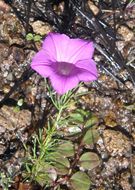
[41, 57]
[42, 64]
[79, 49]
[86, 76]
[63, 84]
[87, 66]
[63, 48]
[65, 61]
[56, 45]
[44, 71]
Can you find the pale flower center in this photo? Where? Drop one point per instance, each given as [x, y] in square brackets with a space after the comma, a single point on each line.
[65, 68]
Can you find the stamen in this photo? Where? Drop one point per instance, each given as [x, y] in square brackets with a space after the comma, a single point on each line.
[65, 68]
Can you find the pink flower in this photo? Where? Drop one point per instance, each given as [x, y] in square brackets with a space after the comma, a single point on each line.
[65, 61]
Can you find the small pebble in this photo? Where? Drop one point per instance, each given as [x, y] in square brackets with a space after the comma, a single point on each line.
[41, 28]
[93, 7]
[126, 33]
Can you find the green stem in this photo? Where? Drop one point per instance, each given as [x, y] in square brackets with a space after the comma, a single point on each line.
[49, 136]
[58, 116]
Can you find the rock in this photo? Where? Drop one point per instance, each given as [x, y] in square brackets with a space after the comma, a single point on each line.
[113, 165]
[82, 90]
[2, 129]
[93, 7]
[2, 149]
[41, 28]
[120, 45]
[124, 181]
[5, 123]
[4, 7]
[116, 143]
[4, 51]
[59, 8]
[8, 29]
[133, 168]
[11, 120]
[110, 119]
[101, 149]
[129, 85]
[10, 77]
[6, 88]
[126, 33]
[17, 54]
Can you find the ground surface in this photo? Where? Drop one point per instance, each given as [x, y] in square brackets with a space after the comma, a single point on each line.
[110, 101]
